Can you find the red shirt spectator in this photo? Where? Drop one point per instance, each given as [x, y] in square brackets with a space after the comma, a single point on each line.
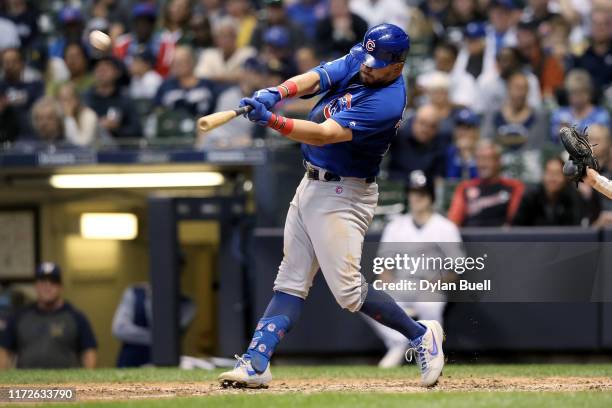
[490, 200]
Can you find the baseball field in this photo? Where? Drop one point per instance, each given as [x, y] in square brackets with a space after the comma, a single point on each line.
[553, 385]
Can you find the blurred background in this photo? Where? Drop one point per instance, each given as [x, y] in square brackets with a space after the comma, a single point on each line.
[103, 173]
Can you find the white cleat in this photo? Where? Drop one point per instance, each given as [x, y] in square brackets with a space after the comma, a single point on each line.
[428, 353]
[244, 376]
[395, 355]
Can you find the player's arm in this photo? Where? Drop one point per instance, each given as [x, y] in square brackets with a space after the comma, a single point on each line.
[307, 83]
[598, 182]
[302, 131]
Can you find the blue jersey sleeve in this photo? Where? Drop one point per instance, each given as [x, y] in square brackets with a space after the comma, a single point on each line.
[87, 338]
[333, 72]
[368, 116]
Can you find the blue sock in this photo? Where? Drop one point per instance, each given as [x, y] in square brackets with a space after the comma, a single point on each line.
[382, 308]
[280, 315]
[285, 304]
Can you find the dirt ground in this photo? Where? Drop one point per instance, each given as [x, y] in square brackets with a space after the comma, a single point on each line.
[125, 391]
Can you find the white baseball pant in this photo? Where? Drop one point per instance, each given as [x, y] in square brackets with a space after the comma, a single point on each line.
[325, 226]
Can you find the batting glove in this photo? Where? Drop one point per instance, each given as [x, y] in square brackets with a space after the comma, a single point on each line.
[269, 97]
[259, 114]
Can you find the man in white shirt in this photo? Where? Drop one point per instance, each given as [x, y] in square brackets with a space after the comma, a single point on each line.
[424, 233]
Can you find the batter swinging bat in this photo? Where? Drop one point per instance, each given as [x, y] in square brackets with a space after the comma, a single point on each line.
[214, 120]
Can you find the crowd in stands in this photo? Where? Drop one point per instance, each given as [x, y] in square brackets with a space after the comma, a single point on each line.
[506, 72]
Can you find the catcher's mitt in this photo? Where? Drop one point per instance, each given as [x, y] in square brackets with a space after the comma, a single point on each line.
[581, 153]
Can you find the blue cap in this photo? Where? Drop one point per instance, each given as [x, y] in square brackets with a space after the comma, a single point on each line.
[507, 4]
[70, 15]
[144, 10]
[48, 271]
[382, 45]
[467, 117]
[276, 36]
[475, 30]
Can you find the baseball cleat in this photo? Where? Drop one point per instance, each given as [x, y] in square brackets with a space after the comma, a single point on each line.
[428, 353]
[244, 376]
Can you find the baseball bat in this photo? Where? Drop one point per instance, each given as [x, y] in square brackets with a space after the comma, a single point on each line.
[214, 120]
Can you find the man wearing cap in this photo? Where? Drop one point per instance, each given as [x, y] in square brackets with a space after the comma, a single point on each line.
[141, 37]
[72, 25]
[424, 232]
[50, 333]
[489, 200]
[275, 16]
[460, 155]
[347, 133]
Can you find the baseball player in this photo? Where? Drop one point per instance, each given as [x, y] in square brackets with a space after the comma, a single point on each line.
[343, 142]
[422, 230]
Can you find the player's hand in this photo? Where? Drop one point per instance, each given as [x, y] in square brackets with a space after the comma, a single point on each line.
[268, 96]
[259, 114]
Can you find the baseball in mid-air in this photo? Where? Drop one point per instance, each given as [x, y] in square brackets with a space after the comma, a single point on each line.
[99, 40]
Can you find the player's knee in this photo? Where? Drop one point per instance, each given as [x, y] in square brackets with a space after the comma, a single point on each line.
[351, 298]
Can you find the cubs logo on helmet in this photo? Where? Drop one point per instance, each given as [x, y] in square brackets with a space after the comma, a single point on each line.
[369, 45]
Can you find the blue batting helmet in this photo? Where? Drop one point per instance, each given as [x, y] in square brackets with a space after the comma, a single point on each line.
[382, 45]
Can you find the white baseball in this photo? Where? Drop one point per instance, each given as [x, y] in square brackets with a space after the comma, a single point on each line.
[99, 40]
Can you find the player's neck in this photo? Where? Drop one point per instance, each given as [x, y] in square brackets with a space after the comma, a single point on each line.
[422, 217]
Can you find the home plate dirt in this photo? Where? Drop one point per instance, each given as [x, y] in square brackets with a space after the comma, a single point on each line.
[124, 391]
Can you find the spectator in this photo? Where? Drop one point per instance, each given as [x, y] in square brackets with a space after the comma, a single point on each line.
[224, 62]
[306, 14]
[80, 122]
[9, 36]
[242, 12]
[503, 17]
[581, 112]
[275, 16]
[461, 13]
[176, 18]
[437, 88]
[376, 12]
[489, 200]
[201, 33]
[597, 59]
[339, 30]
[430, 235]
[492, 86]
[417, 146]
[516, 125]
[78, 63]
[547, 68]
[24, 87]
[145, 81]
[460, 156]
[72, 26]
[183, 92]
[64, 337]
[115, 110]
[48, 121]
[472, 58]
[552, 202]
[25, 20]
[277, 51]
[144, 15]
[132, 324]
[462, 85]
[9, 123]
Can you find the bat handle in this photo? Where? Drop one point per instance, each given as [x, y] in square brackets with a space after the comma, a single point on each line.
[242, 110]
